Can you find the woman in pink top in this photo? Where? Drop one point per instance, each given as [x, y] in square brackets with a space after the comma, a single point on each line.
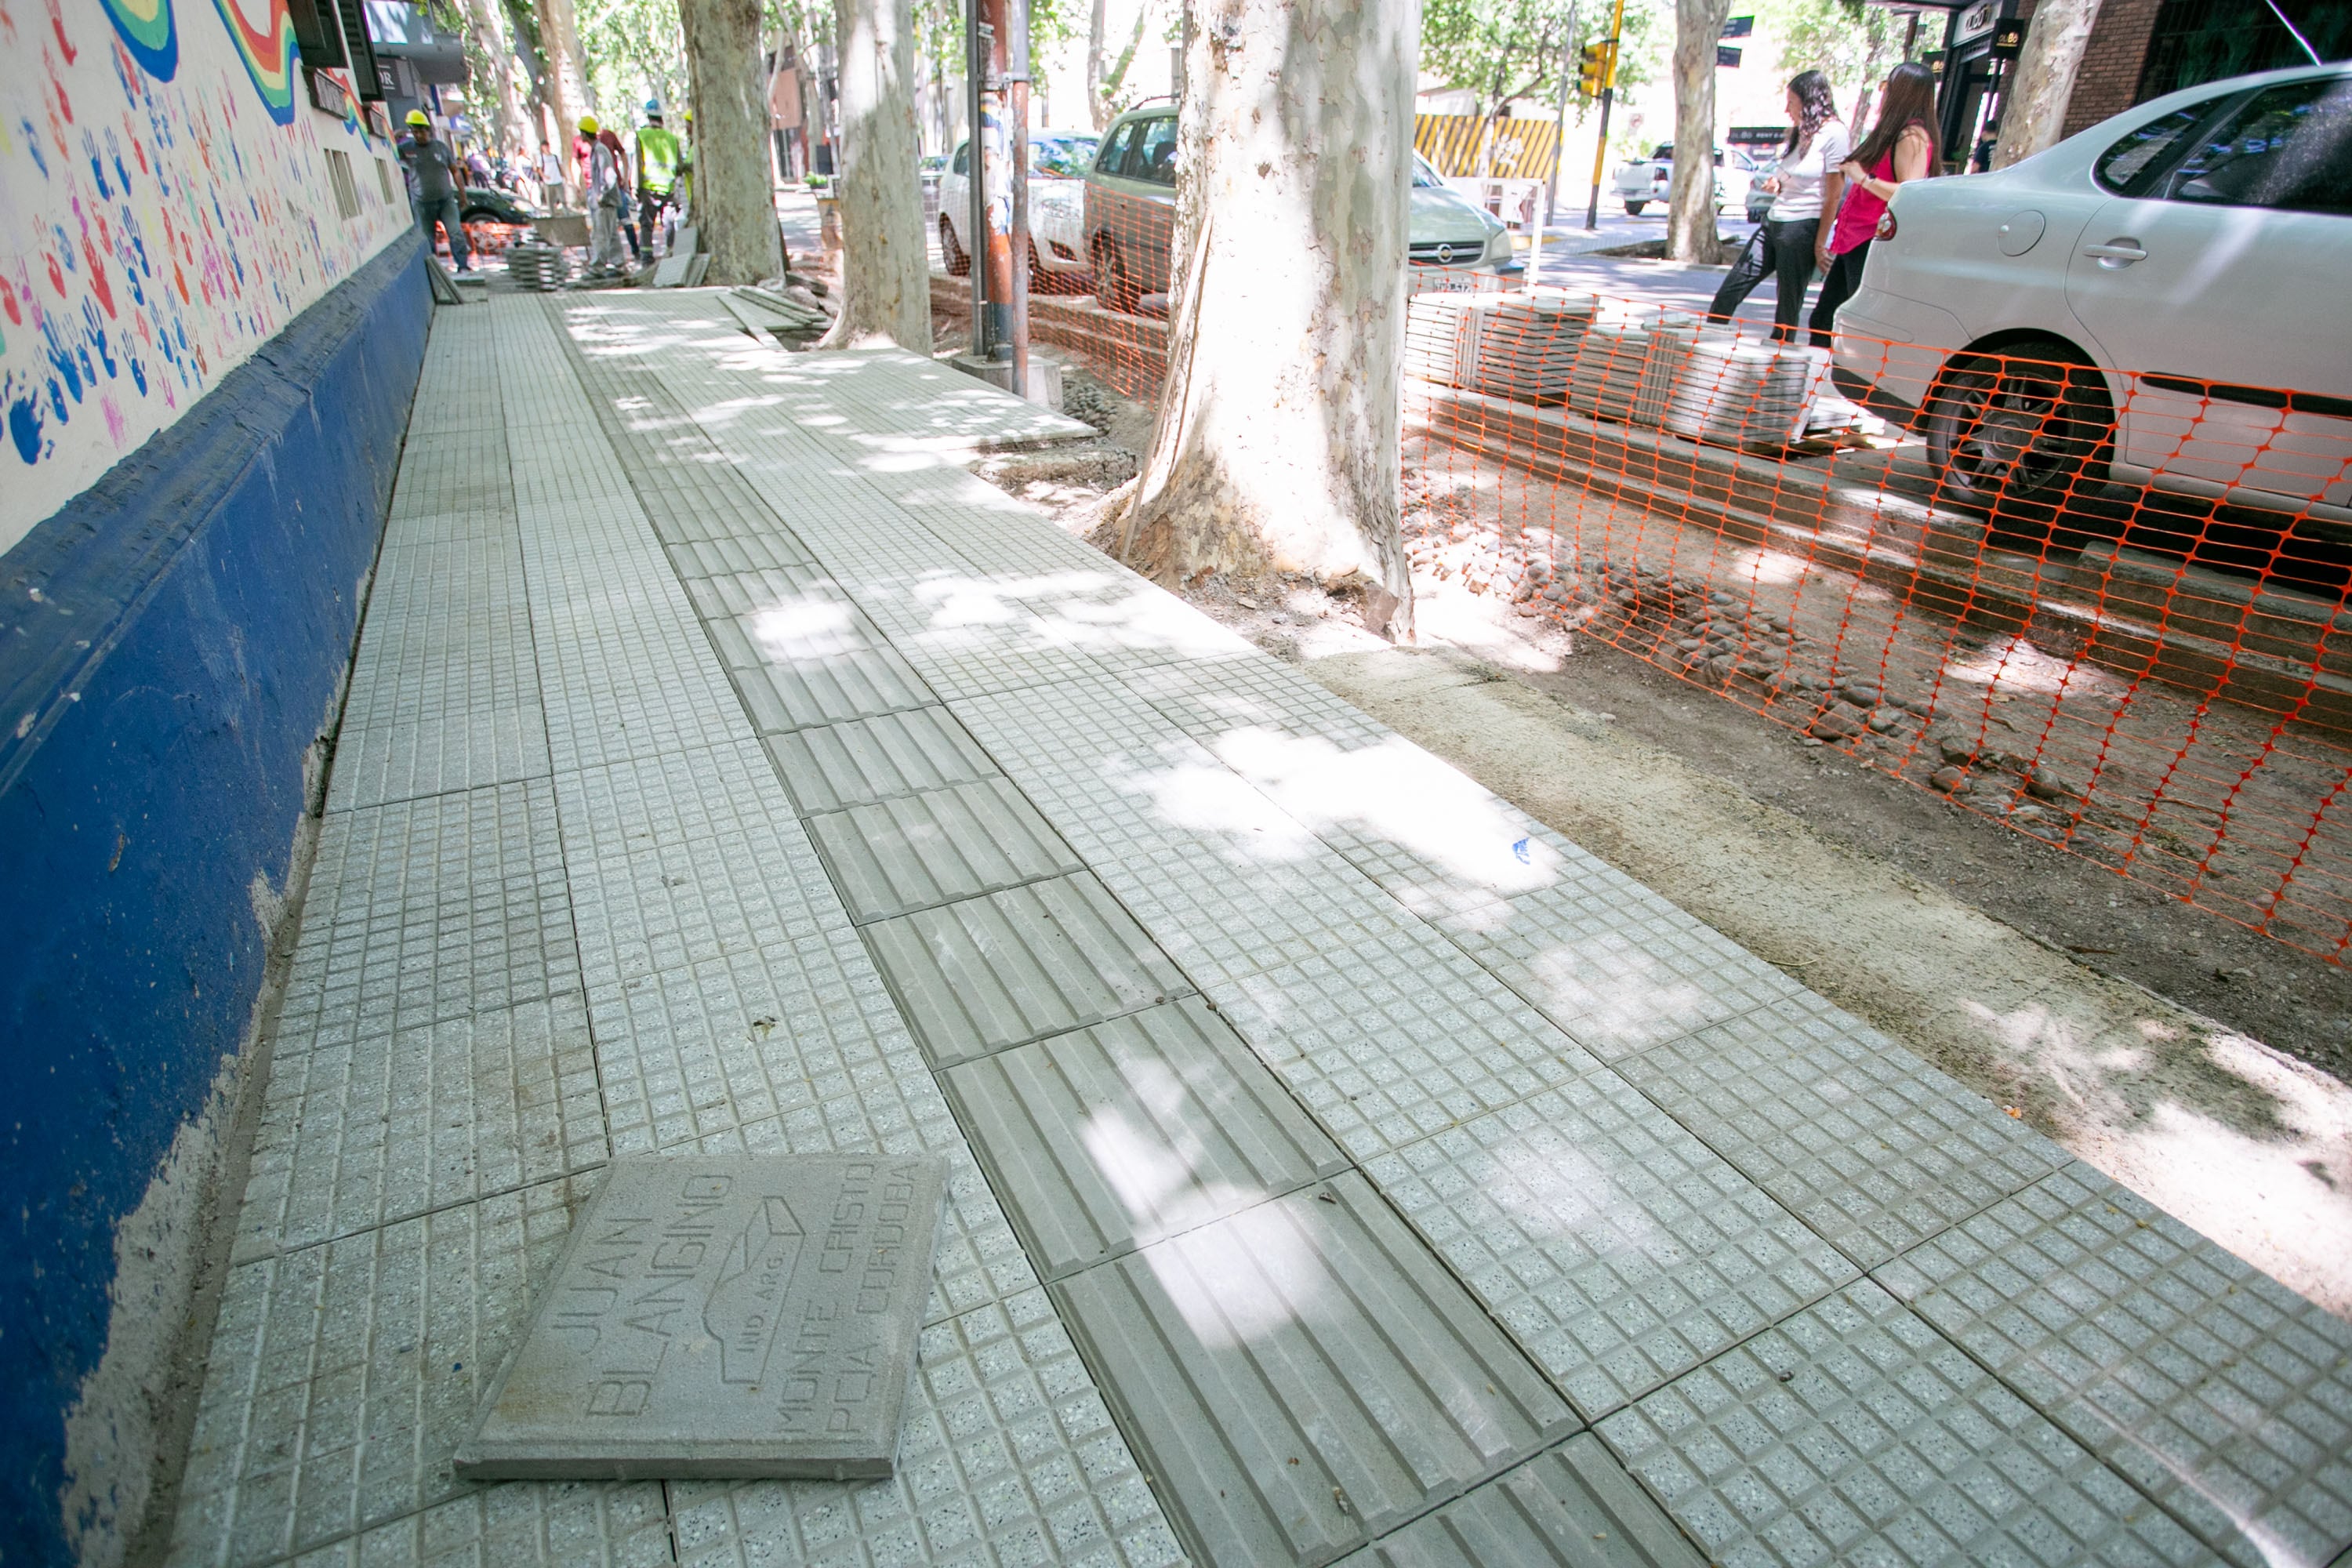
[1901, 146]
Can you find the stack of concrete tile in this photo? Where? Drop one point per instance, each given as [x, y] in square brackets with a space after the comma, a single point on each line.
[1616, 356]
[1440, 337]
[1737, 392]
[1527, 345]
[542, 268]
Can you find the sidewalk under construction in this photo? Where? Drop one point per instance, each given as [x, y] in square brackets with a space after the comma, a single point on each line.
[1345, 1162]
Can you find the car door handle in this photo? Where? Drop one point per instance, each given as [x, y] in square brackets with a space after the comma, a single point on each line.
[2122, 251]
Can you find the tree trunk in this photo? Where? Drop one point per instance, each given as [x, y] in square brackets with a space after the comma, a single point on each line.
[489, 28]
[1277, 447]
[1102, 86]
[566, 75]
[734, 182]
[1690, 200]
[886, 280]
[2035, 113]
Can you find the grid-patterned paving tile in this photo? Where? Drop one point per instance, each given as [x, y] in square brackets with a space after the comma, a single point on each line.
[1108, 1139]
[676, 904]
[1617, 1248]
[572, 1525]
[649, 803]
[991, 972]
[368, 1133]
[916, 851]
[1396, 1039]
[1569, 1506]
[831, 767]
[2217, 1389]
[1007, 1457]
[1304, 1376]
[342, 1377]
[430, 909]
[458, 751]
[1860, 1140]
[1854, 1432]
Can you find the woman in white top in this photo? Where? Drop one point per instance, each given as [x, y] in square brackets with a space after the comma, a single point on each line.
[1807, 183]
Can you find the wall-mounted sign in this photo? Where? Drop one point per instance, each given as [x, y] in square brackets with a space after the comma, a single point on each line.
[1738, 26]
[1726, 57]
[2008, 37]
[1976, 21]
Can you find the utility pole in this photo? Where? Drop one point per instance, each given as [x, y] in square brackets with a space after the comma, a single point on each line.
[1559, 151]
[999, 185]
[1608, 93]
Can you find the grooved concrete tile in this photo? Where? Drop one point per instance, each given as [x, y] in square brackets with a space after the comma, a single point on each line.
[1616, 1247]
[581, 1525]
[915, 851]
[863, 684]
[430, 909]
[1572, 1507]
[1015, 966]
[458, 751]
[2212, 1387]
[367, 1133]
[1614, 965]
[1008, 1455]
[1860, 1140]
[695, 558]
[1303, 1376]
[1855, 1432]
[1398, 1038]
[833, 766]
[1111, 1138]
[342, 1376]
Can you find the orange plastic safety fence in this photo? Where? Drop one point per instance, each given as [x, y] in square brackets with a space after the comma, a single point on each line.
[2106, 608]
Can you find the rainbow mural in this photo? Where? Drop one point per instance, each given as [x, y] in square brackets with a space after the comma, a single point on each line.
[268, 52]
[146, 29]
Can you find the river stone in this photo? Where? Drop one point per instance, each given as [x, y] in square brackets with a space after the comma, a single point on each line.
[746, 1316]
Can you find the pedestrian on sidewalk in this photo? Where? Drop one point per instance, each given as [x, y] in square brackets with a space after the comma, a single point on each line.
[602, 173]
[1901, 146]
[611, 140]
[657, 164]
[1806, 185]
[434, 178]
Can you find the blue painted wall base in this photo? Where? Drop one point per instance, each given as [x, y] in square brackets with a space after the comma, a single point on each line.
[170, 645]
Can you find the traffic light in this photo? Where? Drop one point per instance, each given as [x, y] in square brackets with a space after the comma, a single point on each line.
[1600, 64]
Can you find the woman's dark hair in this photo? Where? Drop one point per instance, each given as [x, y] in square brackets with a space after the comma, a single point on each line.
[1815, 104]
[1910, 100]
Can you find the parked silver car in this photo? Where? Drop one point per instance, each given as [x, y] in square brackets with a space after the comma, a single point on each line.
[1058, 160]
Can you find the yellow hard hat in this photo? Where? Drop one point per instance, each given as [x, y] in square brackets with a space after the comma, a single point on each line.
[588, 125]
[416, 117]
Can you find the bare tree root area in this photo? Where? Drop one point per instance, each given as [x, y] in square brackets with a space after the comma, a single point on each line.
[2191, 1058]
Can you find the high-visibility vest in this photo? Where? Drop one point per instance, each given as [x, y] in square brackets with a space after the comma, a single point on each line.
[658, 157]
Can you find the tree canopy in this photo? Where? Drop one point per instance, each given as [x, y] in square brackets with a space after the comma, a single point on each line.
[1503, 51]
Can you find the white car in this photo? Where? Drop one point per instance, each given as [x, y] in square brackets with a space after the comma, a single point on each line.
[1651, 179]
[2182, 270]
[1058, 161]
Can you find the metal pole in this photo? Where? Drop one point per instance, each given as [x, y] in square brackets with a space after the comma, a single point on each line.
[1018, 243]
[993, 145]
[1558, 151]
[1608, 92]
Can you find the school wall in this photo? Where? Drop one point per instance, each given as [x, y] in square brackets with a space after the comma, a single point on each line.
[209, 338]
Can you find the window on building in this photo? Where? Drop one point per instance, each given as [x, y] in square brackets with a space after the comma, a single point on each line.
[384, 178]
[339, 175]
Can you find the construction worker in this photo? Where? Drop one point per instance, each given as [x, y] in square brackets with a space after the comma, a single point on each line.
[435, 177]
[657, 166]
[602, 172]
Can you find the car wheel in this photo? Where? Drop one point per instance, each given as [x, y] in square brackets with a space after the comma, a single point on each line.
[1114, 287]
[2018, 427]
[1633, 209]
[951, 255]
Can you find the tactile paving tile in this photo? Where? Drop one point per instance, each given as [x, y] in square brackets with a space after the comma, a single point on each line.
[1304, 1376]
[1008, 1455]
[1572, 1507]
[1015, 966]
[691, 559]
[372, 1132]
[861, 683]
[1614, 965]
[2215, 1388]
[647, 804]
[461, 750]
[574, 1525]
[1854, 1432]
[1111, 1138]
[1617, 1248]
[676, 904]
[1210, 700]
[430, 909]
[611, 696]
[342, 1377]
[832, 766]
[1864, 1141]
[918, 852]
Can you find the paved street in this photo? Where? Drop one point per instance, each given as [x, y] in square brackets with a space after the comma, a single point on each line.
[1347, 1166]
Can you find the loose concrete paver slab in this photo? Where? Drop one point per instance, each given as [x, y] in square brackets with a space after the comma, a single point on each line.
[854, 809]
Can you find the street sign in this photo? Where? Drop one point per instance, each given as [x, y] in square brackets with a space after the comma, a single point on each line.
[1726, 57]
[1738, 26]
